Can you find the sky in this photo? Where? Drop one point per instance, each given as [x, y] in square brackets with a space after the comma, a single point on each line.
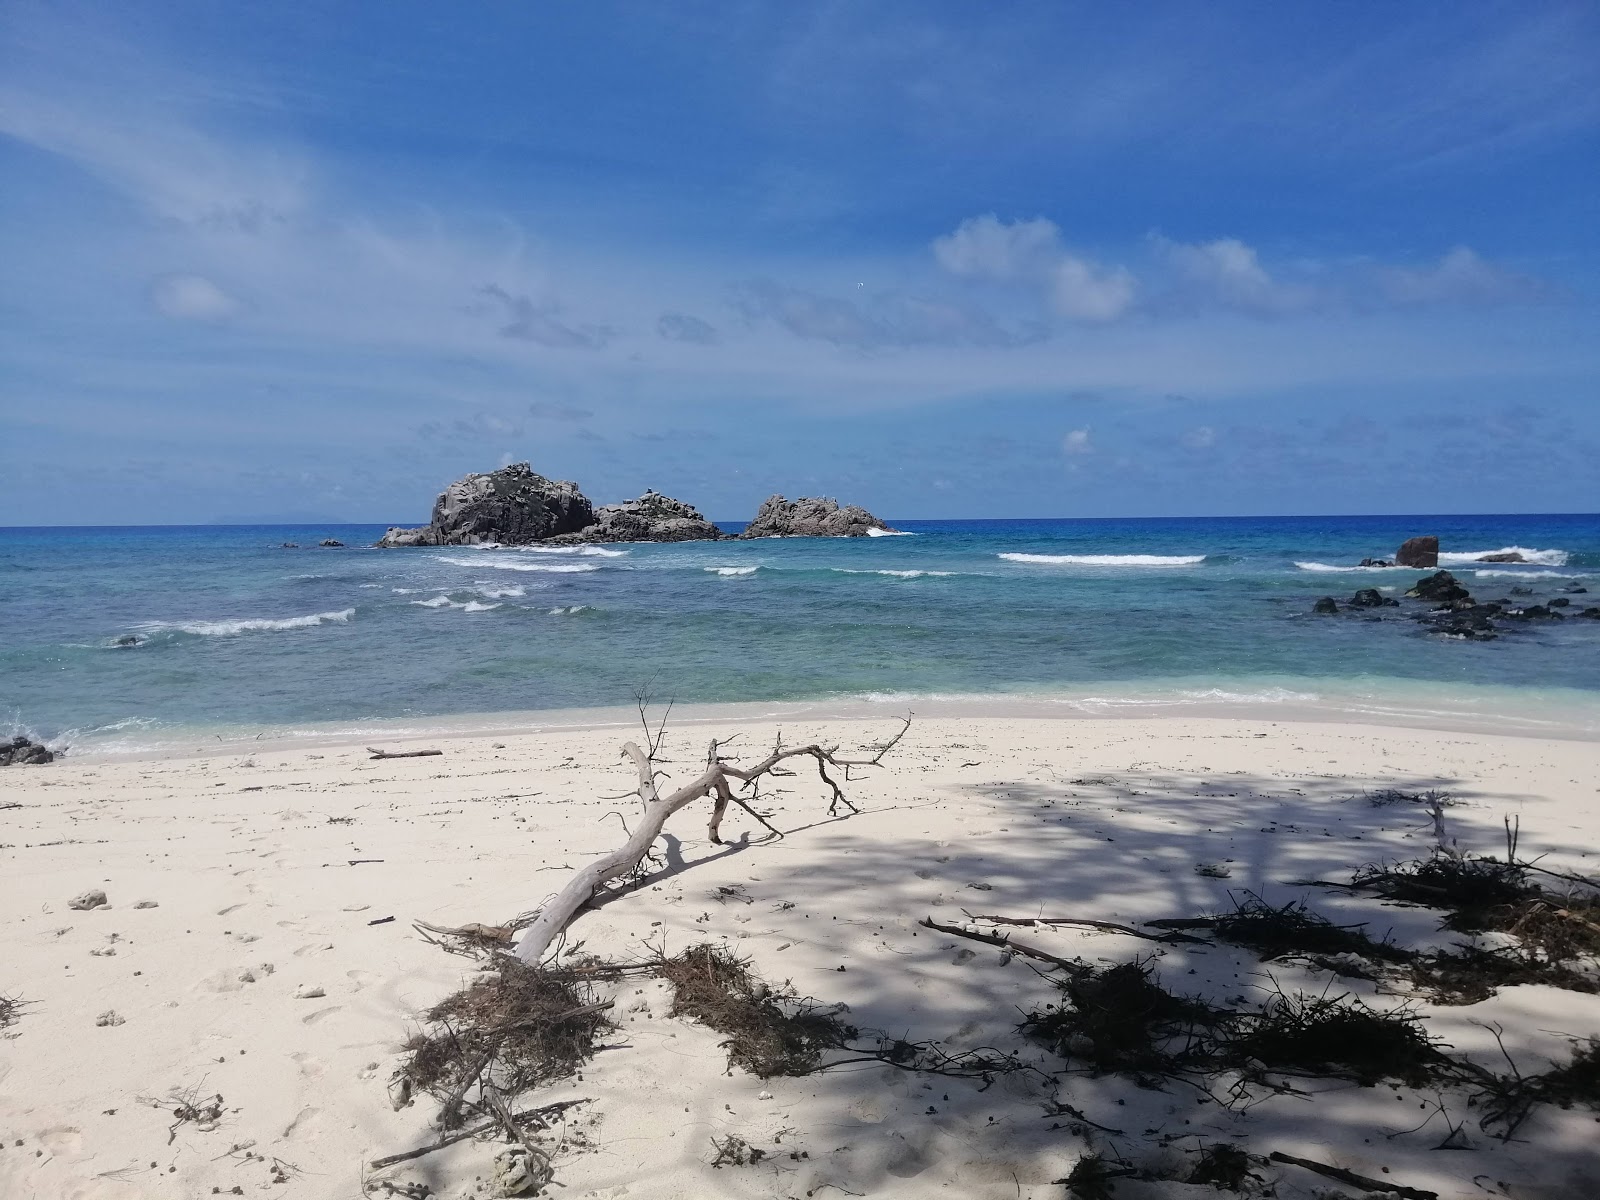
[311, 261]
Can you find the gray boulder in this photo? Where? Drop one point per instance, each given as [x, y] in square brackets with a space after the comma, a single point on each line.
[651, 518]
[1418, 552]
[23, 752]
[512, 505]
[810, 517]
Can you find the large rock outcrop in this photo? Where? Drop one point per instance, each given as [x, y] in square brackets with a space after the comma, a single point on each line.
[21, 751]
[512, 505]
[1418, 552]
[810, 517]
[651, 518]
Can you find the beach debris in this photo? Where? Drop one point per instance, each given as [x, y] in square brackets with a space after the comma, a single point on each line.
[380, 921]
[1213, 871]
[534, 1119]
[309, 991]
[148, 904]
[1339, 1036]
[356, 862]
[1087, 923]
[717, 780]
[1002, 941]
[473, 939]
[187, 1105]
[1292, 929]
[734, 1151]
[21, 751]
[377, 753]
[92, 899]
[768, 1032]
[1382, 1187]
[11, 1010]
[516, 1173]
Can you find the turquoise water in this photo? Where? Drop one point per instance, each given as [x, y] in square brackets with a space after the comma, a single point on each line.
[234, 630]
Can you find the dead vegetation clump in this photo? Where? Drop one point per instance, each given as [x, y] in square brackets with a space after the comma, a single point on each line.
[11, 1010]
[516, 1029]
[1224, 1166]
[1473, 888]
[1388, 797]
[1120, 1018]
[1508, 1100]
[1338, 1036]
[1470, 974]
[1293, 929]
[766, 1032]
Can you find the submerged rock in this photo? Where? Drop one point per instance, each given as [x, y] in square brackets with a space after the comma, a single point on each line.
[1418, 552]
[810, 516]
[1326, 605]
[1510, 556]
[512, 505]
[330, 543]
[1372, 598]
[651, 518]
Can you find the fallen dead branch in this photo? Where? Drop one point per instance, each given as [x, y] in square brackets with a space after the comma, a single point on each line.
[1004, 942]
[1104, 926]
[376, 753]
[717, 780]
[1383, 1187]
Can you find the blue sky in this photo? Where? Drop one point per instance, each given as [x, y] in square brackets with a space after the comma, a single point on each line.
[946, 260]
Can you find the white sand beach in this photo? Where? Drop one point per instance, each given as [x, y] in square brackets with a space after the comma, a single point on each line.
[246, 951]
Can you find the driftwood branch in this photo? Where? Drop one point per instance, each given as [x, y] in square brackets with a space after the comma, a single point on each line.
[1381, 1186]
[714, 781]
[532, 1114]
[376, 753]
[1004, 943]
[1104, 926]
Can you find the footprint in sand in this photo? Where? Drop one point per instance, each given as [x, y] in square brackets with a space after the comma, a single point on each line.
[310, 1066]
[304, 1117]
[222, 912]
[314, 1018]
[362, 979]
[61, 1140]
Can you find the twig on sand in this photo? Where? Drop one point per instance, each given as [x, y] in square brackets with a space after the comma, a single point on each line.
[1381, 1186]
[1003, 942]
[450, 1139]
[376, 753]
[1105, 926]
[356, 862]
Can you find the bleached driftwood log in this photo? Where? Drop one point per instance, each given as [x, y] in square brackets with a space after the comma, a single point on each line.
[715, 780]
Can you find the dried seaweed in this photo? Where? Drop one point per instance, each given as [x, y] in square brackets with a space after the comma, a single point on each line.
[1292, 928]
[1338, 1036]
[766, 1032]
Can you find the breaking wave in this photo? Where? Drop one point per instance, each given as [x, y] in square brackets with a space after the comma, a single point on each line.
[1529, 575]
[731, 571]
[499, 565]
[890, 533]
[1331, 568]
[1538, 558]
[896, 574]
[248, 625]
[1111, 560]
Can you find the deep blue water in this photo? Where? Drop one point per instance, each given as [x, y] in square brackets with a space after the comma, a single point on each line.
[235, 630]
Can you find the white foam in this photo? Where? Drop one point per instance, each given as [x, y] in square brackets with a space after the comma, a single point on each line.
[1110, 560]
[501, 593]
[890, 533]
[436, 602]
[896, 574]
[730, 571]
[1330, 568]
[585, 551]
[1529, 575]
[571, 610]
[248, 625]
[559, 568]
[478, 606]
[1541, 558]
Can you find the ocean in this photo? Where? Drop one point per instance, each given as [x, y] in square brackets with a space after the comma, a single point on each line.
[128, 638]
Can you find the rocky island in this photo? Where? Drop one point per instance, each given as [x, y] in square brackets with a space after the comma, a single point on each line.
[516, 506]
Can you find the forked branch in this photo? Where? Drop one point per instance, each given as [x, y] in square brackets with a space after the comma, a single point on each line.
[717, 781]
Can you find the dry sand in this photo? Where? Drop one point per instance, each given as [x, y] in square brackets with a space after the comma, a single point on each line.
[257, 890]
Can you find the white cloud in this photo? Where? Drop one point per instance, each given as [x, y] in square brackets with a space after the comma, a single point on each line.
[1077, 442]
[988, 248]
[1084, 292]
[1229, 274]
[192, 298]
[1461, 277]
[1202, 438]
[1031, 252]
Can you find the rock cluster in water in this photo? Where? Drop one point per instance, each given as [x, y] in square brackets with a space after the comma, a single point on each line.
[516, 506]
[810, 517]
[1454, 613]
[21, 752]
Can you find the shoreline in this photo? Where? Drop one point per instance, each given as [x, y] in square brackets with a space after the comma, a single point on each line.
[1557, 714]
